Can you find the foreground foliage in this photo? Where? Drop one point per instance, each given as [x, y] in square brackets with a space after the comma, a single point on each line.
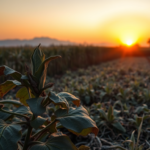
[26, 124]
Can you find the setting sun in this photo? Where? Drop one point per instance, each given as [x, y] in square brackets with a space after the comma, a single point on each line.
[129, 42]
[129, 38]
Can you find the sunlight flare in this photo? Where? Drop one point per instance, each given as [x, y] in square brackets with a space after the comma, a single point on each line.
[129, 42]
[129, 39]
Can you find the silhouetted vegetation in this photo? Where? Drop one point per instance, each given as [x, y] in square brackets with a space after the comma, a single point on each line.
[73, 57]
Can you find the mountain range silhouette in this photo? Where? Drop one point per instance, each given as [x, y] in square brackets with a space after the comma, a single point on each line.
[44, 41]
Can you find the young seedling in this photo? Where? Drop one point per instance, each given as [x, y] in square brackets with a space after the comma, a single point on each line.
[133, 144]
[109, 118]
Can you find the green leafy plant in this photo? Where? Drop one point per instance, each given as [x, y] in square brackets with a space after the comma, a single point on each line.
[133, 144]
[146, 95]
[109, 118]
[123, 95]
[28, 117]
[136, 121]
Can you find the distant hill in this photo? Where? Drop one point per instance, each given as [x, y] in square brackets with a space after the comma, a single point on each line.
[45, 41]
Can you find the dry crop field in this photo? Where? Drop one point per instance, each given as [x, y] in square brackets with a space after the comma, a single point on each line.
[116, 95]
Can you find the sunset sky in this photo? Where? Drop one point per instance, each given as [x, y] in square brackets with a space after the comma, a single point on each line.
[105, 22]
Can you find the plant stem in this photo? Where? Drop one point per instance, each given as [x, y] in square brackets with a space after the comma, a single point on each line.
[28, 135]
[12, 113]
[43, 129]
[27, 138]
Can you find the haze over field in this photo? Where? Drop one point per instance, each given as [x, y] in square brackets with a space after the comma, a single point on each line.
[104, 22]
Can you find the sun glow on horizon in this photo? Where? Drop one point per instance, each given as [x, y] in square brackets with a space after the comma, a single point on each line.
[106, 23]
[129, 39]
[129, 42]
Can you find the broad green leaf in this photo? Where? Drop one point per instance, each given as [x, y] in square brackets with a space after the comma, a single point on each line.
[57, 141]
[69, 97]
[118, 126]
[36, 123]
[42, 71]
[5, 70]
[20, 110]
[37, 59]
[57, 100]
[9, 136]
[3, 115]
[23, 95]
[35, 106]
[77, 120]
[16, 120]
[14, 102]
[23, 110]
[7, 86]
